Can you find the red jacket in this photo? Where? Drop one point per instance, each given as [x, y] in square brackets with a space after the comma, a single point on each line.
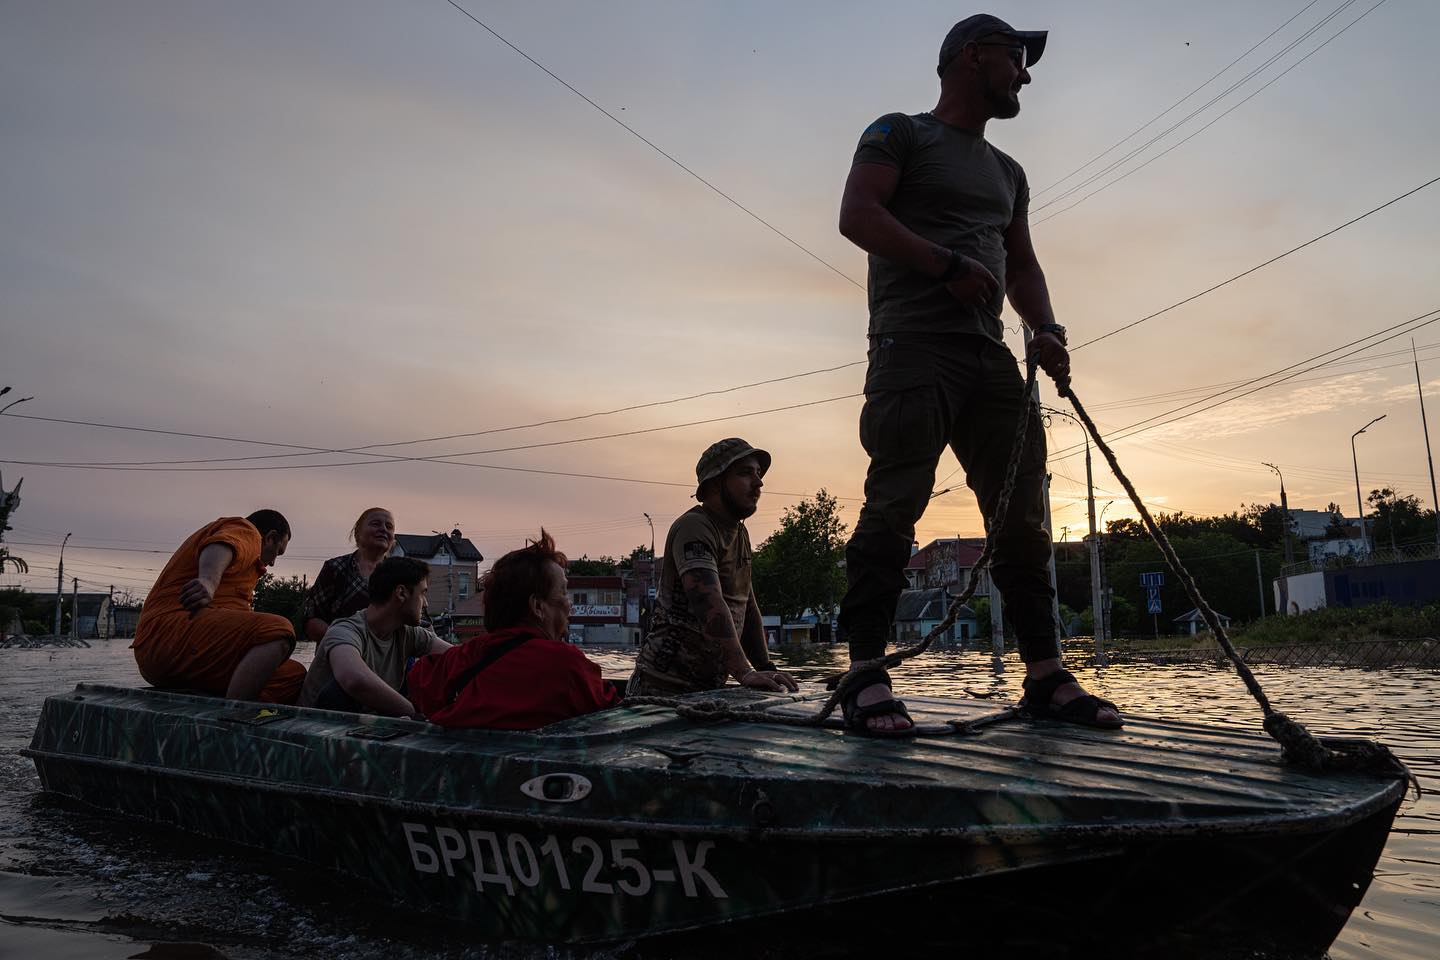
[512, 679]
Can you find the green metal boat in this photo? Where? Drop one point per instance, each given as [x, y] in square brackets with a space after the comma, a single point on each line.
[636, 822]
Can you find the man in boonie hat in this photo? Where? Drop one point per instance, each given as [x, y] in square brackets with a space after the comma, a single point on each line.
[707, 625]
[944, 216]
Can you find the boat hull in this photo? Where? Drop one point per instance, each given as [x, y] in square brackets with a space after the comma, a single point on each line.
[557, 873]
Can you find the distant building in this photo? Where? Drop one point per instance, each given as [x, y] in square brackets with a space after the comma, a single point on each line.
[454, 566]
[97, 618]
[949, 564]
[1312, 524]
[1196, 622]
[597, 611]
[920, 611]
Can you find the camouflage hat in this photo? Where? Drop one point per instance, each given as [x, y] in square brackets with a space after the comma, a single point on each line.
[719, 457]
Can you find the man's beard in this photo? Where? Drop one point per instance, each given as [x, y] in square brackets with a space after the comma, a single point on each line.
[738, 510]
[1004, 105]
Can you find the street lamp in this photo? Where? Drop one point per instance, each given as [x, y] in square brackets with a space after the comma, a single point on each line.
[60, 584]
[650, 584]
[1355, 462]
[1285, 509]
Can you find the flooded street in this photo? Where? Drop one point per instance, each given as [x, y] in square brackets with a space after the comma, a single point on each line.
[77, 885]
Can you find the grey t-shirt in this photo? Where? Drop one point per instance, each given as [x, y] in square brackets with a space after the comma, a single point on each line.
[956, 190]
[387, 656]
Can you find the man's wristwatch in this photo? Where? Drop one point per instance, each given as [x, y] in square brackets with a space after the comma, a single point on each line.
[954, 268]
[1054, 328]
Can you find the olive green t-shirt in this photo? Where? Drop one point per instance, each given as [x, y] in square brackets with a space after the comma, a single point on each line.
[676, 656]
[955, 190]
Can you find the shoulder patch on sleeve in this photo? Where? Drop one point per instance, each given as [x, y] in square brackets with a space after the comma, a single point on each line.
[697, 550]
[877, 132]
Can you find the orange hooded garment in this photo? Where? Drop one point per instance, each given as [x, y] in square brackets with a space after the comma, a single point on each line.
[175, 649]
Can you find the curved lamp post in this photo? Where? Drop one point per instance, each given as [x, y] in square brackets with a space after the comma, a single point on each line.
[1355, 462]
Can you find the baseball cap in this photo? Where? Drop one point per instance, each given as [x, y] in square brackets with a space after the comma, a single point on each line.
[983, 25]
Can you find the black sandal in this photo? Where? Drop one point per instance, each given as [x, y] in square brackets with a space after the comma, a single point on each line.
[1084, 710]
[856, 715]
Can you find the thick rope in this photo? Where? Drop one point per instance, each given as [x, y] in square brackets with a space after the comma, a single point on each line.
[1298, 745]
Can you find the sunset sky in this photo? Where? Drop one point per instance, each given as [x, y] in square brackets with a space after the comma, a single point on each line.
[340, 224]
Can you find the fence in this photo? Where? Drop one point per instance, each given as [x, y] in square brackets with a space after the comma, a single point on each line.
[1401, 554]
[1419, 652]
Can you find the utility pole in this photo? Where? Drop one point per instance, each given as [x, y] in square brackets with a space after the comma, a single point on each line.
[1260, 584]
[1428, 458]
[1355, 462]
[1092, 543]
[651, 584]
[75, 609]
[1049, 526]
[1284, 579]
[110, 614]
[60, 584]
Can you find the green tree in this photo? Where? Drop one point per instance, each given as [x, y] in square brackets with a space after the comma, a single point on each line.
[585, 567]
[283, 597]
[641, 552]
[798, 567]
[1396, 520]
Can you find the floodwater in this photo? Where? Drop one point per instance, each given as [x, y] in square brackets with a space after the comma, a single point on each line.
[78, 885]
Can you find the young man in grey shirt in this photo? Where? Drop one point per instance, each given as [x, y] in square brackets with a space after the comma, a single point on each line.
[360, 664]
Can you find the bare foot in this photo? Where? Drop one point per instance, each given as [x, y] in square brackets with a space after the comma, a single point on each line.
[886, 723]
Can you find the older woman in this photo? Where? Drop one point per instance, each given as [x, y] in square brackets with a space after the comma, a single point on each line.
[342, 587]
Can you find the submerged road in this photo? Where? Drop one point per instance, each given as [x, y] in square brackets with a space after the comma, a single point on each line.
[77, 885]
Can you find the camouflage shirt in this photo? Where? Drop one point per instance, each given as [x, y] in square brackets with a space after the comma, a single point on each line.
[676, 656]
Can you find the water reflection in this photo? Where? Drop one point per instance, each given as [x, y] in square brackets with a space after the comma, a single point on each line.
[77, 885]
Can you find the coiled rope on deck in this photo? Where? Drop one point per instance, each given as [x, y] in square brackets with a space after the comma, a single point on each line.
[1298, 745]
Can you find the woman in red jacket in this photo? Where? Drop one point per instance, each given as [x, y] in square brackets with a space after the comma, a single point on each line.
[521, 674]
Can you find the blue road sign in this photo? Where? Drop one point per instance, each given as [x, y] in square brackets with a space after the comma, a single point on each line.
[1152, 580]
[1152, 600]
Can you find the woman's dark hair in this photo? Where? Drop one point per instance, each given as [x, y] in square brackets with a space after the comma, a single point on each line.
[270, 521]
[395, 572]
[515, 578]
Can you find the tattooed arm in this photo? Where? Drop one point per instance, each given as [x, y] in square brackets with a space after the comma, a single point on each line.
[707, 605]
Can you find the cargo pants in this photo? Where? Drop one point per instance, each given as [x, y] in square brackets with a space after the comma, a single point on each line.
[924, 392]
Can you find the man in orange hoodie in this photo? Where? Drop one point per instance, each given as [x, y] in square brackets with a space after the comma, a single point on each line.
[198, 631]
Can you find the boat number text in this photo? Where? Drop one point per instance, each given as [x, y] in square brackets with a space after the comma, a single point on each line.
[508, 859]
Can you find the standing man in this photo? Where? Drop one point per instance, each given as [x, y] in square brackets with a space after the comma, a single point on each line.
[944, 217]
[197, 630]
[707, 625]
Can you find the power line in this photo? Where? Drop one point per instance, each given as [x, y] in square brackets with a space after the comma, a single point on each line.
[637, 135]
[1046, 189]
[439, 457]
[311, 450]
[1198, 110]
[1149, 423]
[1223, 115]
[1260, 266]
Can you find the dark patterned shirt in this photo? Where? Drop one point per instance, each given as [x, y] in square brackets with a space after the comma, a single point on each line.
[338, 591]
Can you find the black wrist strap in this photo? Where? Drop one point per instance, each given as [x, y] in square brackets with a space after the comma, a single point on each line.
[954, 268]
